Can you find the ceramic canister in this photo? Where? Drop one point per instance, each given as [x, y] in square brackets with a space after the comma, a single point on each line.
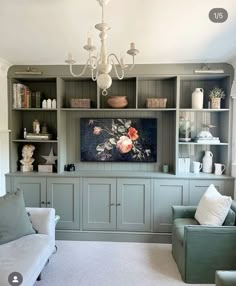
[197, 98]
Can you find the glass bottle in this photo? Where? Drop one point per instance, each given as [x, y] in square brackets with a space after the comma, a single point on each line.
[184, 129]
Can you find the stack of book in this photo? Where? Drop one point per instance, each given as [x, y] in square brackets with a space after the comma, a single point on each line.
[23, 97]
[207, 140]
[184, 165]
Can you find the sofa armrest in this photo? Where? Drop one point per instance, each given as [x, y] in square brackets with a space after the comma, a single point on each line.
[183, 211]
[225, 278]
[43, 220]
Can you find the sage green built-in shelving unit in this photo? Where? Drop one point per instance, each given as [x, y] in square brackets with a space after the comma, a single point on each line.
[174, 82]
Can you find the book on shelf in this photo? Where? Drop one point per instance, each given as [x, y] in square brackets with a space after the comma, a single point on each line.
[27, 98]
[19, 95]
[23, 97]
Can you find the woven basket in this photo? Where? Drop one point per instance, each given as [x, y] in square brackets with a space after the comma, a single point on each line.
[80, 103]
[156, 102]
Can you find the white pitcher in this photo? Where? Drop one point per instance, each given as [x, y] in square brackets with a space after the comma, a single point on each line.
[219, 168]
[207, 162]
[197, 166]
[197, 98]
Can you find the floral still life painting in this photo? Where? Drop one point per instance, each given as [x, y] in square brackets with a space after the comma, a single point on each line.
[118, 140]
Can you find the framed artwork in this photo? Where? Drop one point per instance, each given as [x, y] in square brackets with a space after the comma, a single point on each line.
[118, 140]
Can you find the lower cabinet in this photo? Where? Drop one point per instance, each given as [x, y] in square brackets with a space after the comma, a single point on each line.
[63, 195]
[166, 194]
[198, 187]
[34, 189]
[116, 204]
[59, 193]
[99, 204]
[134, 204]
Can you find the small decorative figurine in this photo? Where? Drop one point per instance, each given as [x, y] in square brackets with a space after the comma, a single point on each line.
[27, 161]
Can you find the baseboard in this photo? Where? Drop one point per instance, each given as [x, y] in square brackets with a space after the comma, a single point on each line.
[113, 236]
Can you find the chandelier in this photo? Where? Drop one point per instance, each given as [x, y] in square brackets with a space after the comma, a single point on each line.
[101, 64]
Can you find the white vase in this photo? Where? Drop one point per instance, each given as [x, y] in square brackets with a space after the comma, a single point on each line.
[207, 162]
[197, 98]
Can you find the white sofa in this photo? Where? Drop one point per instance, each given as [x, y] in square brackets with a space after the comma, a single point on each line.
[29, 254]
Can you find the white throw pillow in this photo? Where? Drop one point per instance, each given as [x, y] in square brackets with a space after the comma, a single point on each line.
[213, 207]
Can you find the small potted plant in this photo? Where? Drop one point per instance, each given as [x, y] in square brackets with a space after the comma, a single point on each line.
[215, 96]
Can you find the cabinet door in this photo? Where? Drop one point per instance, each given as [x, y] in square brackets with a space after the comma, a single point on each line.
[34, 190]
[63, 195]
[198, 187]
[134, 204]
[166, 194]
[99, 203]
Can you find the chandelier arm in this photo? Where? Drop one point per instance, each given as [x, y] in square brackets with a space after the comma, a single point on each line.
[116, 71]
[83, 71]
[92, 61]
[94, 77]
[133, 64]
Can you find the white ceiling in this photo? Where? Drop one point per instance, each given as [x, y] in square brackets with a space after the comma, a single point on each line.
[165, 31]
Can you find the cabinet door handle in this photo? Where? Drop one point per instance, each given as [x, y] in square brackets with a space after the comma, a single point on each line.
[48, 203]
[43, 203]
[112, 205]
[118, 205]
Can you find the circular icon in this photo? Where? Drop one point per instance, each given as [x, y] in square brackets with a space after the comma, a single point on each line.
[15, 279]
[218, 15]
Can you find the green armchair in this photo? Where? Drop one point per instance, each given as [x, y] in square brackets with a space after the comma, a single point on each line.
[200, 250]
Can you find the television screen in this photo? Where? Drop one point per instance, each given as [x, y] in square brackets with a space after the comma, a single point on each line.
[118, 140]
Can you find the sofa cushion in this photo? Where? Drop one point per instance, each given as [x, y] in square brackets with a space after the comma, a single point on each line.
[26, 255]
[179, 225]
[14, 221]
[230, 218]
[213, 207]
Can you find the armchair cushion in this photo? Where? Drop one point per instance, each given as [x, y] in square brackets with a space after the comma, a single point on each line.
[180, 223]
[213, 207]
[14, 222]
[225, 278]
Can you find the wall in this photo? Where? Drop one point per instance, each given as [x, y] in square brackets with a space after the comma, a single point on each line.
[4, 134]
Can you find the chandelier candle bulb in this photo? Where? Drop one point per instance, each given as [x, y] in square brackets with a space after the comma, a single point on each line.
[132, 46]
[89, 41]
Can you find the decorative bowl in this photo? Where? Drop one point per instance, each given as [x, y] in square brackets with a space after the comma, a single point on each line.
[117, 101]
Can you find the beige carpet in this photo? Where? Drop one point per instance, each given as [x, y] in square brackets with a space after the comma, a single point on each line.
[90, 263]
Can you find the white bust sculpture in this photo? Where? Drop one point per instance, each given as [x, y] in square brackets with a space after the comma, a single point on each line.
[27, 161]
